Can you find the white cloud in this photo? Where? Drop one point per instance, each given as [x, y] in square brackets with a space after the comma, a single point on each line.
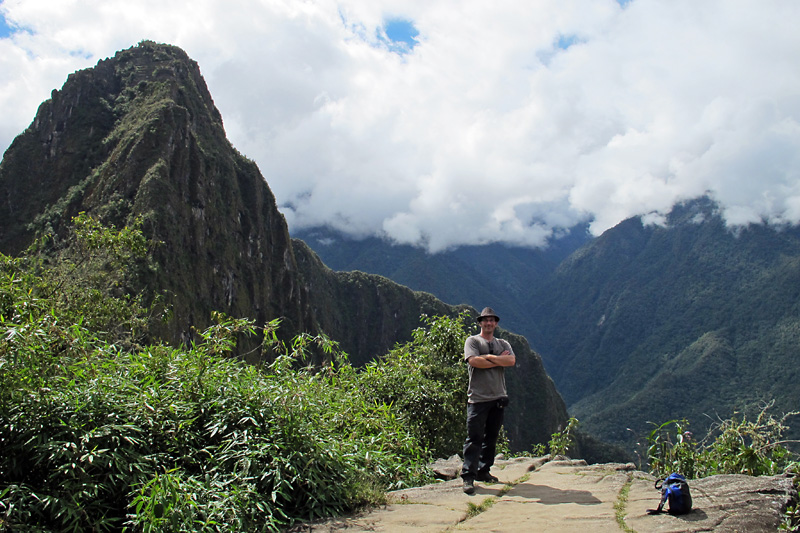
[507, 121]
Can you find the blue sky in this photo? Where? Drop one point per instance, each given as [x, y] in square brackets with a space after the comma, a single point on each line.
[5, 31]
[464, 121]
[402, 32]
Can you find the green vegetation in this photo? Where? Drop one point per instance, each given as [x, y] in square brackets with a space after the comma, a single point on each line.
[100, 432]
[645, 310]
[733, 446]
[563, 440]
[474, 510]
[791, 518]
[426, 380]
[621, 505]
[560, 443]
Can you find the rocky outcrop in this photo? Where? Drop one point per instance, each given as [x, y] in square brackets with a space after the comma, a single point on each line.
[539, 494]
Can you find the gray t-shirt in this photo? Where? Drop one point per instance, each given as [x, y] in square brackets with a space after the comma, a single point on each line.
[485, 384]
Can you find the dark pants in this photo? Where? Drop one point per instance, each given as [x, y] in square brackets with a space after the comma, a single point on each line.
[484, 421]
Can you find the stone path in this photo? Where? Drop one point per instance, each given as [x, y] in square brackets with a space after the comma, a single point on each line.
[534, 495]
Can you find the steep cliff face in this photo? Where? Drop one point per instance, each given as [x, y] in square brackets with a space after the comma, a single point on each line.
[369, 313]
[138, 136]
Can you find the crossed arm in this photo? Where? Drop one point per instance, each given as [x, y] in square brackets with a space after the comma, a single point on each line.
[488, 361]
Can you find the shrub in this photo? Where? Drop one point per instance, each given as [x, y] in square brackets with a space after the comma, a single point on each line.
[732, 446]
[191, 439]
[102, 434]
[561, 442]
[88, 277]
[425, 383]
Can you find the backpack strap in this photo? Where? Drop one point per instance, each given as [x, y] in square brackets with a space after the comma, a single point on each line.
[665, 494]
[660, 507]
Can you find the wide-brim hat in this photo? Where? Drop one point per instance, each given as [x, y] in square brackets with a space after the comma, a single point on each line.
[487, 312]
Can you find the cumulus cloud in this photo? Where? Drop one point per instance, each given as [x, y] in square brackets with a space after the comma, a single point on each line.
[503, 121]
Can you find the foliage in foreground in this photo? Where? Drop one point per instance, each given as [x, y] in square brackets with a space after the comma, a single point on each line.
[100, 433]
[426, 380]
[732, 446]
[185, 440]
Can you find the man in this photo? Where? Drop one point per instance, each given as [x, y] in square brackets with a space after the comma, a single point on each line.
[487, 398]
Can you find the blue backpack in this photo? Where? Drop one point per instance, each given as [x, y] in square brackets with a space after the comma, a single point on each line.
[674, 491]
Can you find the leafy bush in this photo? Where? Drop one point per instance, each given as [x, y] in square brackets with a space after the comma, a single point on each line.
[732, 446]
[425, 382]
[87, 278]
[188, 439]
[100, 433]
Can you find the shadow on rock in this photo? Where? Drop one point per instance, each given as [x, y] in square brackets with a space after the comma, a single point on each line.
[488, 491]
[695, 515]
[552, 496]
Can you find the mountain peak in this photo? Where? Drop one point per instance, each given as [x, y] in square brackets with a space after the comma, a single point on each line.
[138, 135]
[71, 156]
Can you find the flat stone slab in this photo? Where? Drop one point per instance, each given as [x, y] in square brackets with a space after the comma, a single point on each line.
[720, 503]
[565, 495]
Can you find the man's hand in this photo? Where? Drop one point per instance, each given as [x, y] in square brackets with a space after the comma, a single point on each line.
[489, 360]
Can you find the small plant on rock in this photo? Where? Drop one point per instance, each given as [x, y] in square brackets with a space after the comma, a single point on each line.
[562, 441]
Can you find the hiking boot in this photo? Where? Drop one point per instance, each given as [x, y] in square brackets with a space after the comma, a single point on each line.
[469, 488]
[486, 477]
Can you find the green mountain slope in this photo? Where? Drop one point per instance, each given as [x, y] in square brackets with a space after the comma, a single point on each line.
[646, 324]
[139, 136]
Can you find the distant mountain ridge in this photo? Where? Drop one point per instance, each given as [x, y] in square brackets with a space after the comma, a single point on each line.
[472, 275]
[138, 135]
